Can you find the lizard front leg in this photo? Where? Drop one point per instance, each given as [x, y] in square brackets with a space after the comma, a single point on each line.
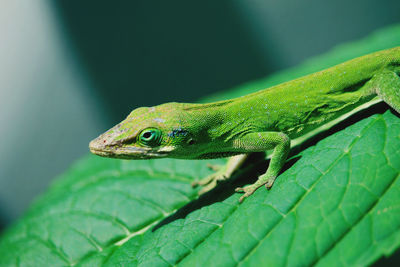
[280, 143]
[252, 142]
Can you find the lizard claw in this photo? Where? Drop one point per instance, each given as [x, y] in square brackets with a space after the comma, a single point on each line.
[214, 167]
[250, 189]
[208, 187]
[270, 182]
[211, 179]
[247, 190]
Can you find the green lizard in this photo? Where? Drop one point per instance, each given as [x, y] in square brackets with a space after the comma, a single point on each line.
[261, 121]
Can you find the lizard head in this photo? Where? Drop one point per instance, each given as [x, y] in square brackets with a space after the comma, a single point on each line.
[152, 132]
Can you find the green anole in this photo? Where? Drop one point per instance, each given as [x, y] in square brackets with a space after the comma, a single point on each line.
[258, 122]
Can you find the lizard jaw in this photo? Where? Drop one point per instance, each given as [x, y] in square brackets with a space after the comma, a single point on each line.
[99, 149]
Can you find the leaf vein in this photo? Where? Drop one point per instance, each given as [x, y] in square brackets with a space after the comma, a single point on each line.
[252, 250]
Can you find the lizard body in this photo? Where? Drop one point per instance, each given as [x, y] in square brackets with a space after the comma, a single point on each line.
[261, 121]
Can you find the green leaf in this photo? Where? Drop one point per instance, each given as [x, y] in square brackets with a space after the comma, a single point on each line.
[337, 205]
[97, 204]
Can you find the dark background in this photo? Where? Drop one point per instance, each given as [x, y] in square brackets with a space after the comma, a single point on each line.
[71, 69]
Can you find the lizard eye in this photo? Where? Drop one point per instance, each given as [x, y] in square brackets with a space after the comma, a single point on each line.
[150, 137]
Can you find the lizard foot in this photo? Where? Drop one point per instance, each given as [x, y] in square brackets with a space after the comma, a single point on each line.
[211, 180]
[250, 189]
[247, 190]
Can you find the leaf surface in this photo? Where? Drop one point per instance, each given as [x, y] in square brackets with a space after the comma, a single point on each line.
[338, 204]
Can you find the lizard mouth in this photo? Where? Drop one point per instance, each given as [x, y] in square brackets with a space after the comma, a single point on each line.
[124, 152]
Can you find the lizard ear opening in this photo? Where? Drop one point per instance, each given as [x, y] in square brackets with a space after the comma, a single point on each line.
[191, 142]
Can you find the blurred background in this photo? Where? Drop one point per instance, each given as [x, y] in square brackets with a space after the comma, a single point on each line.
[69, 70]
